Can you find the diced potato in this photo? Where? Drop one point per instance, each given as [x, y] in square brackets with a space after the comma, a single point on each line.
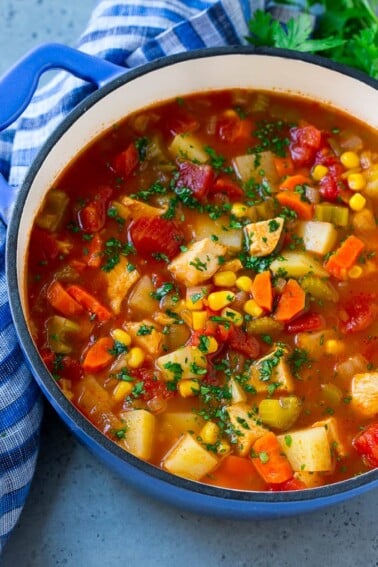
[96, 402]
[182, 422]
[199, 263]
[189, 459]
[140, 301]
[238, 394]
[314, 343]
[120, 280]
[311, 479]
[139, 209]
[256, 166]
[263, 236]
[365, 394]
[183, 363]
[318, 237]
[140, 432]
[233, 265]
[333, 434]
[188, 146]
[371, 189]
[297, 265]
[203, 227]
[272, 370]
[145, 335]
[245, 426]
[307, 449]
[347, 368]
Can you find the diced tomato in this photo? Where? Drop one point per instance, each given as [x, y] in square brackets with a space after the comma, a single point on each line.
[305, 323]
[305, 142]
[152, 387]
[156, 235]
[126, 162]
[92, 217]
[199, 178]
[43, 245]
[362, 312]
[223, 184]
[231, 129]
[243, 343]
[62, 366]
[366, 444]
[291, 484]
[181, 123]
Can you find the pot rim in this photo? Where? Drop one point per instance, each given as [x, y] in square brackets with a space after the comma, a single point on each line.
[74, 418]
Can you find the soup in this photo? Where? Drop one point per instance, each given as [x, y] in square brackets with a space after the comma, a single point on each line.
[201, 284]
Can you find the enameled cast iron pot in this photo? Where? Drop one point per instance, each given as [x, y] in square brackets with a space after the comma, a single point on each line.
[120, 93]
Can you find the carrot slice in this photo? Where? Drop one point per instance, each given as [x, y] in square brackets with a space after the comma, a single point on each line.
[62, 301]
[269, 460]
[292, 302]
[262, 290]
[89, 302]
[294, 202]
[95, 249]
[99, 356]
[292, 181]
[235, 472]
[284, 165]
[344, 257]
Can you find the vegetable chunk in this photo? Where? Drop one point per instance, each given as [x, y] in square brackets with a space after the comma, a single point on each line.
[140, 431]
[245, 426]
[120, 280]
[198, 263]
[307, 449]
[272, 373]
[189, 459]
[263, 236]
[365, 393]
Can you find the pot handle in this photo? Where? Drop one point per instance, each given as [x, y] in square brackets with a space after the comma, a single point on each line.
[18, 85]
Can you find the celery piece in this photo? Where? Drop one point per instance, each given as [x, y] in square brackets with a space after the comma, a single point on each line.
[264, 325]
[280, 413]
[59, 330]
[336, 214]
[319, 289]
[53, 210]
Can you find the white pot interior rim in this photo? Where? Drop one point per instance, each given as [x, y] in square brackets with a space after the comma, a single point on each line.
[212, 69]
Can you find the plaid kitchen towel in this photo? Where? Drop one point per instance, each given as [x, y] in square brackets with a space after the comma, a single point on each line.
[128, 33]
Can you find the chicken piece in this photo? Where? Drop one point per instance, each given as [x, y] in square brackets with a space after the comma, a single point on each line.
[198, 263]
[333, 435]
[263, 236]
[145, 334]
[138, 209]
[245, 426]
[365, 393]
[272, 371]
[120, 280]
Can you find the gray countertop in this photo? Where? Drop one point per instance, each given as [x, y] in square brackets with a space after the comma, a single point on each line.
[79, 513]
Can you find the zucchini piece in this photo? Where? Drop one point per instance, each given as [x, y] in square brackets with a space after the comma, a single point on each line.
[264, 326]
[280, 413]
[319, 289]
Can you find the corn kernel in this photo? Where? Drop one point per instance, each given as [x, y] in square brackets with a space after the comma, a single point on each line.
[135, 357]
[188, 388]
[212, 345]
[121, 336]
[122, 390]
[224, 279]
[194, 297]
[244, 283]
[223, 447]
[357, 202]
[199, 319]
[333, 346]
[209, 433]
[355, 272]
[319, 172]
[231, 315]
[356, 181]
[252, 308]
[219, 299]
[350, 160]
[239, 210]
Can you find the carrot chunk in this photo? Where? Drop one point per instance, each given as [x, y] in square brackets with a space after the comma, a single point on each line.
[284, 165]
[262, 290]
[344, 257]
[235, 472]
[271, 464]
[62, 301]
[293, 201]
[292, 181]
[292, 302]
[99, 355]
[89, 302]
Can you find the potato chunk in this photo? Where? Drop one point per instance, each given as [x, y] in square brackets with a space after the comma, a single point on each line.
[334, 438]
[365, 393]
[188, 146]
[307, 449]
[184, 363]
[189, 459]
[137, 209]
[263, 236]
[318, 237]
[198, 263]
[140, 431]
[272, 370]
[120, 280]
[245, 426]
[145, 334]
[298, 264]
[203, 226]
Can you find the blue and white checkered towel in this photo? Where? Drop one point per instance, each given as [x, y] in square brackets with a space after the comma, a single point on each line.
[128, 33]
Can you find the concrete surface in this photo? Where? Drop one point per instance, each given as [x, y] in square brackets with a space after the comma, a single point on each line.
[78, 513]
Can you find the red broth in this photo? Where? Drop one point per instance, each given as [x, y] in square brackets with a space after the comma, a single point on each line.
[202, 285]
